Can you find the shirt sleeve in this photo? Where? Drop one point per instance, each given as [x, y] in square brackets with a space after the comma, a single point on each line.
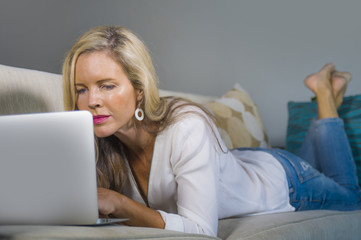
[195, 167]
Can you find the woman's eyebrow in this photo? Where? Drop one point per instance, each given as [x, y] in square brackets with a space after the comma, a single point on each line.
[79, 84]
[104, 80]
[97, 82]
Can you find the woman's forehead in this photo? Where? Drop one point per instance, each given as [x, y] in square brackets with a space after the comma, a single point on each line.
[97, 65]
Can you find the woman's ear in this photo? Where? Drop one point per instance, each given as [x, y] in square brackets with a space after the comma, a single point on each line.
[139, 95]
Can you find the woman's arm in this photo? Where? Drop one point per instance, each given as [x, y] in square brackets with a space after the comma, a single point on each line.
[117, 205]
[195, 167]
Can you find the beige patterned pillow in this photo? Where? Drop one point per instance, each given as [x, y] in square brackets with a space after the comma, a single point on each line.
[239, 122]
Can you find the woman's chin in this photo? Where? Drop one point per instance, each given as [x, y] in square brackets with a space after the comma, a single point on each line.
[102, 134]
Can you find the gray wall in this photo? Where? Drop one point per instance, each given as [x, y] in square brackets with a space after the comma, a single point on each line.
[202, 46]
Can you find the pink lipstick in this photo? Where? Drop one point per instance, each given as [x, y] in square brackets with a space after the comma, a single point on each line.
[99, 119]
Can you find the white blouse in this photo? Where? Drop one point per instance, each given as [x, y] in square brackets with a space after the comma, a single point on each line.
[193, 182]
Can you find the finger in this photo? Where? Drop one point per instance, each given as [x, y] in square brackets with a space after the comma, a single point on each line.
[103, 215]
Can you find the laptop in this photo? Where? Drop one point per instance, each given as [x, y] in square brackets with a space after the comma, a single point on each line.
[48, 169]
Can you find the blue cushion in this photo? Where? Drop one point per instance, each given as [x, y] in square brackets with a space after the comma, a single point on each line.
[301, 113]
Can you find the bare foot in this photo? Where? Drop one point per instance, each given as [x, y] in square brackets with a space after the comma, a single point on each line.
[321, 85]
[320, 82]
[339, 84]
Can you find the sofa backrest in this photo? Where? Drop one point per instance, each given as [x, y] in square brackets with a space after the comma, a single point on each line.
[26, 91]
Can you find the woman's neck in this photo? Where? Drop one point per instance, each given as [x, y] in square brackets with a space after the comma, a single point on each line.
[138, 141]
[138, 150]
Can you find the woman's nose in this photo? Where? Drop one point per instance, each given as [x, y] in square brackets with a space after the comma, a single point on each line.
[94, 100]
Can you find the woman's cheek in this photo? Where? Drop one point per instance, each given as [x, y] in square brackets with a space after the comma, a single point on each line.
[81, 103]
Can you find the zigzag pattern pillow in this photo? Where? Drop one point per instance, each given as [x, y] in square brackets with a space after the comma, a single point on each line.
[239, 122]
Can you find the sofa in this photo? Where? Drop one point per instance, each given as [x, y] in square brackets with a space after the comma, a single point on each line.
[27, 91]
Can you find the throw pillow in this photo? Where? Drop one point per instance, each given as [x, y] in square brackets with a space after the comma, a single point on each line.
[239, 122]
[300, 115]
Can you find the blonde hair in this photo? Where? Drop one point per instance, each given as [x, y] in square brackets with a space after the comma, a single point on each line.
[130, 52]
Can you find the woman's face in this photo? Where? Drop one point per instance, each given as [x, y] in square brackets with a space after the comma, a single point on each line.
[104, 89]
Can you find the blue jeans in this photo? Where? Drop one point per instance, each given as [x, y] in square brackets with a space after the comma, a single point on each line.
[323, 175]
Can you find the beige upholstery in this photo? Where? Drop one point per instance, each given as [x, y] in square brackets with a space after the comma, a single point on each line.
[319, 224]
[23, 91]
[99, 232]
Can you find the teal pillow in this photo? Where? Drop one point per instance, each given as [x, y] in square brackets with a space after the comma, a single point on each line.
[300, 115]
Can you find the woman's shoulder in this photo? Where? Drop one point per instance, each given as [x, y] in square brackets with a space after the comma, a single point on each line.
[189, 114]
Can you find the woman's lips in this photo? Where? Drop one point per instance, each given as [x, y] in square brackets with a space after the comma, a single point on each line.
[99, 119]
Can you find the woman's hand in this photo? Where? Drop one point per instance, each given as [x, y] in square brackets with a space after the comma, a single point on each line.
[114, 204]
[109, 202]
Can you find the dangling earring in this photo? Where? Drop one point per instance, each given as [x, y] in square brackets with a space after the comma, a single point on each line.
[139, 114]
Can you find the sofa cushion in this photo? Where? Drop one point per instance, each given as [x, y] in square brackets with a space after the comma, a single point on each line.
[300, 115]
[26, 232]
[305, 225]
[238, 119]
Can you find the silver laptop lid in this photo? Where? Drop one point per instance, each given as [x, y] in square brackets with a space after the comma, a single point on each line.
[47, 169]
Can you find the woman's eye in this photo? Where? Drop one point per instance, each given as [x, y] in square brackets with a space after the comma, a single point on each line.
[108, 87]
[80, 90]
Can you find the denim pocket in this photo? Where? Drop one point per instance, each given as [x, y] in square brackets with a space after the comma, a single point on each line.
[302, 168]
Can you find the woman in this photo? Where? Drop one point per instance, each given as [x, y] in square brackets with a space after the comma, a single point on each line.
[161, 162]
